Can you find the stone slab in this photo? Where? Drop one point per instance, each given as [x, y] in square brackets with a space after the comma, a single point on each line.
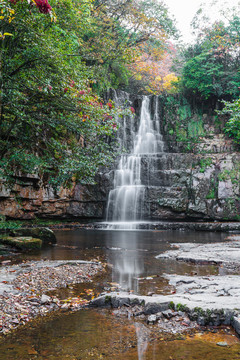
[227, 253]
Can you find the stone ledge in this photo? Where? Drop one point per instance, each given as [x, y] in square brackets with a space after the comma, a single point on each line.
[178, 225]
[226, 253]
[206, 313]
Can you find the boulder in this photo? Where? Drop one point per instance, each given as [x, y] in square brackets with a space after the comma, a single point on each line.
[22, 242]
[153, 308]
[46, 235]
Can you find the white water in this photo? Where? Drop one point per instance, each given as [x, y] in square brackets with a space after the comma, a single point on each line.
[126, 200]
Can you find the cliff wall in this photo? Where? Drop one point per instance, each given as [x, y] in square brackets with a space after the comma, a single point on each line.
[29, 198]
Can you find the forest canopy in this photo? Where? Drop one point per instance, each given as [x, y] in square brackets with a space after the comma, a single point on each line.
[209, 68]
[58, 57]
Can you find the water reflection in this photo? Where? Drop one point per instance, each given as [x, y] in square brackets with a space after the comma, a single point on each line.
[128, 264]
[131, 253]
[90, 334]
[94, 335]
[142, 340]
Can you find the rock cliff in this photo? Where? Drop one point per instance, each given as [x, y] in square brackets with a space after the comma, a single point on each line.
[29, 198]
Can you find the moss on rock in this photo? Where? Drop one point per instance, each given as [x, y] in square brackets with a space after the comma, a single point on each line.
[22, 242]
[46, 235]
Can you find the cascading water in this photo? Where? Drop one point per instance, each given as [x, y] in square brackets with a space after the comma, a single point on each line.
[126, 201]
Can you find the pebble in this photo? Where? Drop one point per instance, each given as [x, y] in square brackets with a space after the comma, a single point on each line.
[168, 314]
[152, 319]
[45, 299]
[223, 344]
[5, 262]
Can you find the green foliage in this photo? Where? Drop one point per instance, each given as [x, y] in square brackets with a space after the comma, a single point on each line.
[183, 123]
[204, 163]
[211, 68]
[9, 225]
[181, 307]
[181, 133]
[233, 207]
[184, 112]
[108, 299]
[171, 305]
[195, 128]
[2, 218]
[51, 121]
[199, 311]
[203, 77]
[211, 194]
[233, 175]
[124, 26]
[54, 65]
[232, 127]
[213, 189]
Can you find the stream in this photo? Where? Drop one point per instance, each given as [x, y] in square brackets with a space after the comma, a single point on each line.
[101, 334]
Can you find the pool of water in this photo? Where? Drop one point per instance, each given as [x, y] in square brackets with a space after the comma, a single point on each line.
[92, 335]
[72, 244]
[132, 255]
[97, 334]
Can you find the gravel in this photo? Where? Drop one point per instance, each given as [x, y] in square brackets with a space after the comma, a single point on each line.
[23, 289]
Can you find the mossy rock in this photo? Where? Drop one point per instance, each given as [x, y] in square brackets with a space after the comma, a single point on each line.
[3, 249]
[22, 242]
[46, 235]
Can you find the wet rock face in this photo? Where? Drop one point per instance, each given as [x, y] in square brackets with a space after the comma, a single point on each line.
[190, 305]
[180, 186]
[31, 198]
[194, 186]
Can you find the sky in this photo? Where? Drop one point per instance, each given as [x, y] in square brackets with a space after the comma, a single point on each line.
[184, 11]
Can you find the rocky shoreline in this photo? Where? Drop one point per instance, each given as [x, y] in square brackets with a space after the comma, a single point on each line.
[185, 312]
[195, 300]
[205, 300]
[24, 288]
[168, 321]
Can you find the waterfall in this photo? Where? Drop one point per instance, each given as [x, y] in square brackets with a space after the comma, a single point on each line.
[126, 201]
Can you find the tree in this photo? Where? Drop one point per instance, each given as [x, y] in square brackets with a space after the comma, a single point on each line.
[54, 66]
[50, 120]
[126, 26]
[232, 127]
[151, 71]
[211, 70]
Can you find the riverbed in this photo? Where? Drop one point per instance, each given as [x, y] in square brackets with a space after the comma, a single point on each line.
[133, 267]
